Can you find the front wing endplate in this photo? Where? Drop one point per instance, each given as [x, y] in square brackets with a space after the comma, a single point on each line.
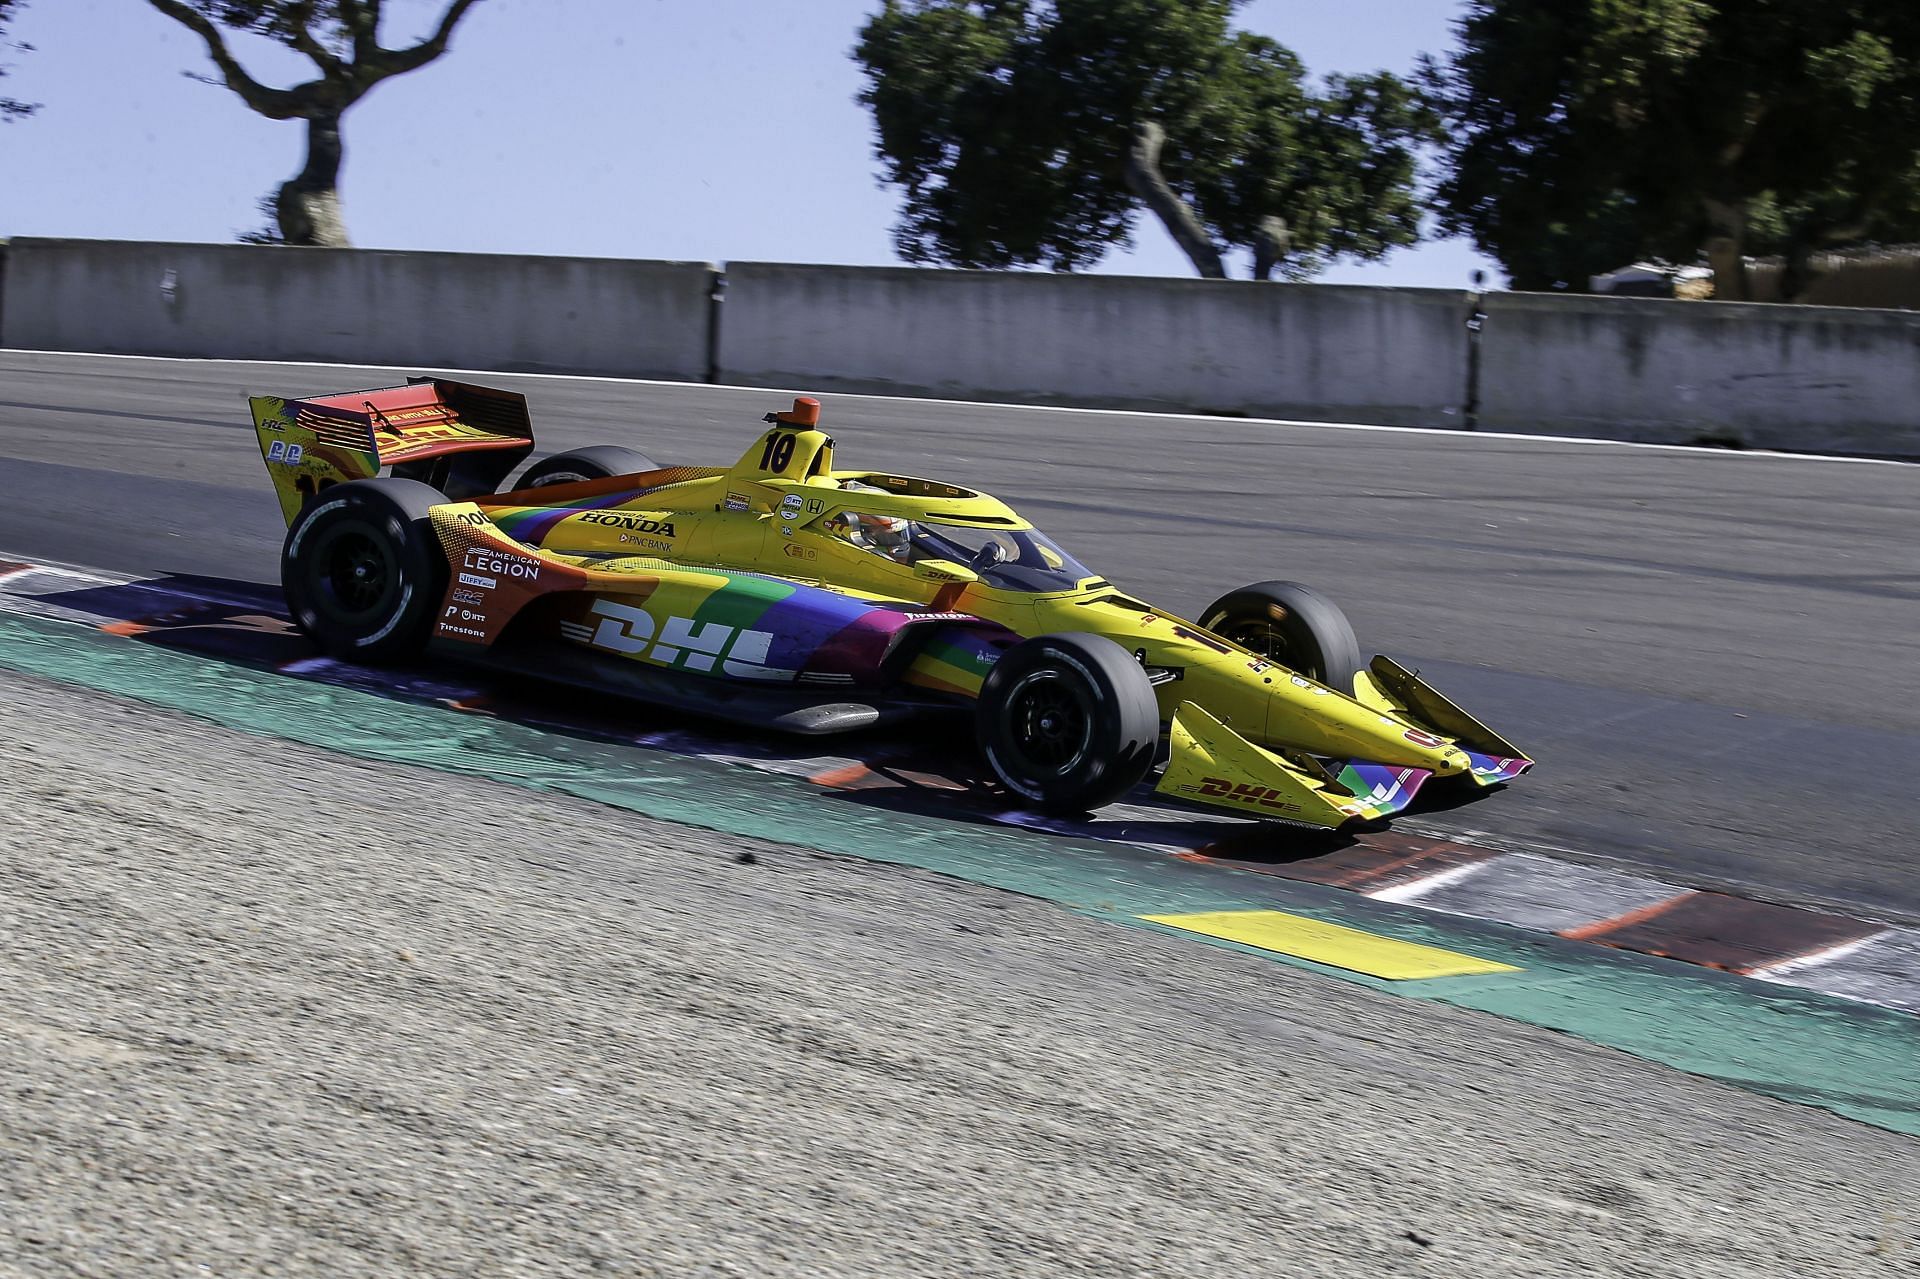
[1213, 765]
[1388, 686]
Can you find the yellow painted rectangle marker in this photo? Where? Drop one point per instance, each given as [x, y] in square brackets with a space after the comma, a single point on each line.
[1330, 944]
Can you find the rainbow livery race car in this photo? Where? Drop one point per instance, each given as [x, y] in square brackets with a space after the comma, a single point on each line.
[787, 592]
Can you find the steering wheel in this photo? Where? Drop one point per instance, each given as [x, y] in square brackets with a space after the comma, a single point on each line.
[987, 556]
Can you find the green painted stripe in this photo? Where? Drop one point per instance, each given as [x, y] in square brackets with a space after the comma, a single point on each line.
[1796, 1045]
[743, 601]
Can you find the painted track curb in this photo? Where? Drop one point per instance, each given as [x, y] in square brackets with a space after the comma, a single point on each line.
[1827, 951]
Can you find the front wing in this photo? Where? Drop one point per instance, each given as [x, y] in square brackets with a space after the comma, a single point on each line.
[1212, 765]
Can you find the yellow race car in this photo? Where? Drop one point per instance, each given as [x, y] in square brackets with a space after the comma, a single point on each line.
[787, 592]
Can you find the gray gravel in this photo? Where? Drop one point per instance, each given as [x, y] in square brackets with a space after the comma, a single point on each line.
[262, 1014]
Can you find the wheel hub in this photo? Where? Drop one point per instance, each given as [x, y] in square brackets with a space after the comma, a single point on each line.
[353, 571]
[1051, 723]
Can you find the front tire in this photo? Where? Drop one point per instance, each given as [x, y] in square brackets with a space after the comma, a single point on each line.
[363, 571]
[1068, 721]
[1291, 624]
[595, 462]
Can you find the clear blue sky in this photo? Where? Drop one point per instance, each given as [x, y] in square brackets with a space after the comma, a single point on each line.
[688, 129]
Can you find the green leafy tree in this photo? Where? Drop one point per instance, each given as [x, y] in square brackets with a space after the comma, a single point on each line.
[342, 39]
[1585, 133]
[1026, 132]
[12, 108]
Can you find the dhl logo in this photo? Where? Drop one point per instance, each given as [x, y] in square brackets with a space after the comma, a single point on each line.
[1245, 793]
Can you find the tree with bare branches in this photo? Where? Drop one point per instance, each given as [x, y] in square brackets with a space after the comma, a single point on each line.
[342, 39]
[12, 108]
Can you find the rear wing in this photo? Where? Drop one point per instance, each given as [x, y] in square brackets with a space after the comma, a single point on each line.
[460, 438]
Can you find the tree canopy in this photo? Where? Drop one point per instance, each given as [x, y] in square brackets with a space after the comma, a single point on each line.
[1030, 132]
[342, 39]
[1586, 133]
[12, 108]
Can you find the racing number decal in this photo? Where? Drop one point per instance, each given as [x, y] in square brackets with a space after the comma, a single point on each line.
[778, 453]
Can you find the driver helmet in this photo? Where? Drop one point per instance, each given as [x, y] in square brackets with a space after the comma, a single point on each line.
[887, 533]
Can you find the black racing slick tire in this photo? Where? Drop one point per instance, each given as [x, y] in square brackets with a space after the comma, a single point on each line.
[1291, 624]
[363, 570]
[595, 462]
[1068, 721]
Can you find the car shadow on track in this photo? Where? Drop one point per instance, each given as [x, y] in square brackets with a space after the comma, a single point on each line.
[910, 769]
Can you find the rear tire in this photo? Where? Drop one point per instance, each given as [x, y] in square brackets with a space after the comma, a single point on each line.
[1291, 624]
[1068, 721]
[363, 571]
[595, 462]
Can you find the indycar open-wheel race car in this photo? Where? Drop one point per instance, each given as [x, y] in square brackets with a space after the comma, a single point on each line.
[786, 593]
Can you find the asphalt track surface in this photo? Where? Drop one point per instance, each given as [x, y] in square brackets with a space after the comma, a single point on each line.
[1712, 654]
[258, 1016]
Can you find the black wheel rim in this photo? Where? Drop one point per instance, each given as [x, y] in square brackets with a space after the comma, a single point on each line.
[1262, 639]
[1049, 724]
[356, 573]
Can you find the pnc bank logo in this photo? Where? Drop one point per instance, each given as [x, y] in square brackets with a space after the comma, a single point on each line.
[680, 642]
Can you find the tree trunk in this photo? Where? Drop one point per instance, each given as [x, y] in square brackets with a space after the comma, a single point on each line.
[1182, 223]
[1270, 244]
[308, 207]
[1726, 250]
[1797, 274]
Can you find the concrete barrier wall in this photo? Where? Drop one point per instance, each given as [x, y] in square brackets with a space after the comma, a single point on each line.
[1809, 378]
[1278, 350]
[1789, 377]
[453, 310]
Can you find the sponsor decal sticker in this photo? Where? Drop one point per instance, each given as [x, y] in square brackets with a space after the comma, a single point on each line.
[467, 597]
[815, 505]
[632, 523]
[282, 453]
[681, 642]
[1244, 793]
[474, 579]
[499, 565]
